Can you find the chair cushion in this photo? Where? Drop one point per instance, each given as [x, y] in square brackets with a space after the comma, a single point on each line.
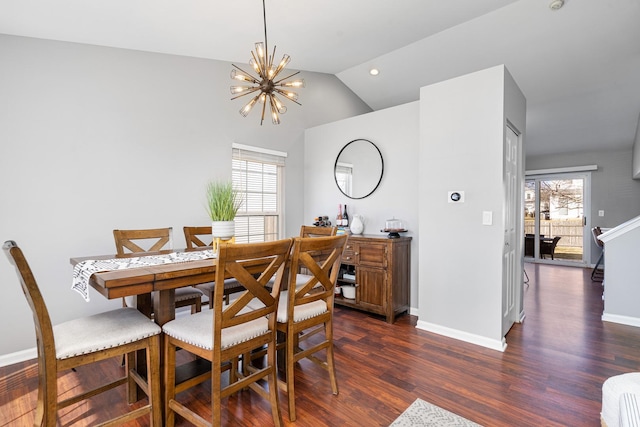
[197, 330]
[228, 284]
[301, 279]
[101, 331]
[187, 293]
[300, 312]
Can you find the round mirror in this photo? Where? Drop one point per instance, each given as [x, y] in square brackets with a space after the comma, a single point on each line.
[358, 169]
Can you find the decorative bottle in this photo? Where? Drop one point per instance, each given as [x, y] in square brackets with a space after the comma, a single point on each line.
[339, 217]
[345, 217]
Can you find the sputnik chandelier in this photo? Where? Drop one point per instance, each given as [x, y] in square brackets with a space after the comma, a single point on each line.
[265, 82]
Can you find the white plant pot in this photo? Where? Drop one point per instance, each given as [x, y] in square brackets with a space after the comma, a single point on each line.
[223, 229]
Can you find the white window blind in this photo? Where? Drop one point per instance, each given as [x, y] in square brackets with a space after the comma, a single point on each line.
[258, 175]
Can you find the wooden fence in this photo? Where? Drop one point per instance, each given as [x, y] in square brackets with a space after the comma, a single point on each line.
[569, 229]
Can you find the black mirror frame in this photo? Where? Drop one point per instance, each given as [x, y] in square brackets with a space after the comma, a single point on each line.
[335, 166]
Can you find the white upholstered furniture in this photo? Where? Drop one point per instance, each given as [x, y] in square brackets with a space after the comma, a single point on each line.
[620, 400]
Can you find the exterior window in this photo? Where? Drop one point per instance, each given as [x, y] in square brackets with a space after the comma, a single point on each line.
[259, 176]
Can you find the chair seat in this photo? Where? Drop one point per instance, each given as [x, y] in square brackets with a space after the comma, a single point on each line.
[197, 330]
[102, 331]
[301, 280]
[228, 285]
[186, 293]
[300, 312]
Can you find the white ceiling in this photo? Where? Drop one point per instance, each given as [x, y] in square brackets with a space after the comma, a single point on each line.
[579, 67]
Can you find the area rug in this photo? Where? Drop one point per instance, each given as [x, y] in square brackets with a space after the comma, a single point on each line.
[422, 413]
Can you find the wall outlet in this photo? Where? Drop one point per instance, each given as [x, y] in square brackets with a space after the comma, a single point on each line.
[600, 213]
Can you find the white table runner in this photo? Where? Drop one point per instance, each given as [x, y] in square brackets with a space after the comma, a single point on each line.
[83, 270]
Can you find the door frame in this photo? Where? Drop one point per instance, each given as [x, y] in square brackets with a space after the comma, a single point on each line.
[558, 174]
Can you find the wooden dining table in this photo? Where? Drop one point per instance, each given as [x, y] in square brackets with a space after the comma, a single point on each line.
[164, 279]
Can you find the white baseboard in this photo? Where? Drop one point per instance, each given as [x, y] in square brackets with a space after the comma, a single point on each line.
[500, 345]
[18, 356]
[624, 320]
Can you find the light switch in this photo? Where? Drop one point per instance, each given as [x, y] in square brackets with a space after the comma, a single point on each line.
[487, 218]
[600, 213]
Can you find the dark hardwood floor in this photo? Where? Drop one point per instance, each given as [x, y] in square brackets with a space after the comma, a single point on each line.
[550, 375]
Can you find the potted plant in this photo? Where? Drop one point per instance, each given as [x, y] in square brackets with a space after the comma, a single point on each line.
[223, 202]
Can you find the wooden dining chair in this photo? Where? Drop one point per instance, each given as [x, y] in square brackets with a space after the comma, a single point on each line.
[156, 240]
[199, 237]
[227, 331]
[313, 231]
[82, 341]
[306, 309]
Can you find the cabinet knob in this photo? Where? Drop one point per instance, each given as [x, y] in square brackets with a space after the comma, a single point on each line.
[357, 253]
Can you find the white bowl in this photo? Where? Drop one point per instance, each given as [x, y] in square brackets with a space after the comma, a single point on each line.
[348, 291]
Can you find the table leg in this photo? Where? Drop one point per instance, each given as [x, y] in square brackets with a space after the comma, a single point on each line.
[164, 310]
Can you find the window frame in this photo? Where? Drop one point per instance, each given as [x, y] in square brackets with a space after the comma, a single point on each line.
[264, 220]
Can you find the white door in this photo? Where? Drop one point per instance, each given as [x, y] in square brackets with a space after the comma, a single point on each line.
[510, 258]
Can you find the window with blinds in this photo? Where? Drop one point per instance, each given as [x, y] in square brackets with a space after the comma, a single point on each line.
[258, 175]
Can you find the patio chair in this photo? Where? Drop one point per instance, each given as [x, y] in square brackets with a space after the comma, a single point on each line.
[548, 248]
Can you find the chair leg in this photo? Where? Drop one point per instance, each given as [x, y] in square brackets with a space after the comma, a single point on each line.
[272, 380]
[169, 382]
[153, 381]
[129, 362]
[290, 375]
[47, 406]
[594, 272]
[331, 367]
[216, 394]
[196, 307]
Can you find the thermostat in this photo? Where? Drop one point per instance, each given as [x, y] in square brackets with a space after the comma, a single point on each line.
[455, 197]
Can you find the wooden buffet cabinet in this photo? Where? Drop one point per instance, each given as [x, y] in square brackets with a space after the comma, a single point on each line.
[382, 269]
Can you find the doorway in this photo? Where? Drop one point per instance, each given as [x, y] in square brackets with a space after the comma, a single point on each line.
[555, 224]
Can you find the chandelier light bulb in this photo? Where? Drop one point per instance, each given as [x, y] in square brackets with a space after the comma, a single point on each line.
[241, 76]
[247, 108]
[294, 83]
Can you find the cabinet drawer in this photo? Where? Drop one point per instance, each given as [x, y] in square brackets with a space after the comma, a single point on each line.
[348, 256]
[373, 255]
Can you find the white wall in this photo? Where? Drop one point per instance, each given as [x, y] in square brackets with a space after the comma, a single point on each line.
[395, 132]
[462, 125]
[621, 290]
[95, 138]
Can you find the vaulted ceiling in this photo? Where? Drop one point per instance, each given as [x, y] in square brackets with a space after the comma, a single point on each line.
[579, 66]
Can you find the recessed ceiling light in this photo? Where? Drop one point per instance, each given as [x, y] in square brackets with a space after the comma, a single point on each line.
[556, 4]
[374, 71]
